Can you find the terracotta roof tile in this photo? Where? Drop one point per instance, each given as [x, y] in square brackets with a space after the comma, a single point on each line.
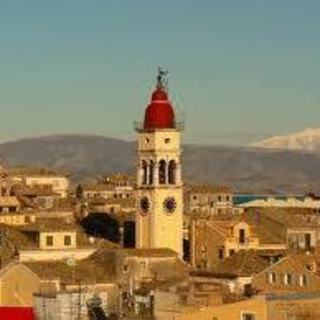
[242, 263]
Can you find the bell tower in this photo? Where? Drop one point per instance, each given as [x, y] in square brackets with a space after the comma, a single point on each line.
[159, 182]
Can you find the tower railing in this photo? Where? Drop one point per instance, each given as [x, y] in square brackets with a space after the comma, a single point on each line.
[139, 127]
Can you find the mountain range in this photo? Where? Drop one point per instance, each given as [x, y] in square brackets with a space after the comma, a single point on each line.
[246, 169]
[308, 140]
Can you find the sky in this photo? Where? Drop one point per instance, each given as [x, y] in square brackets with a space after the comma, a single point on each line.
[240, 71]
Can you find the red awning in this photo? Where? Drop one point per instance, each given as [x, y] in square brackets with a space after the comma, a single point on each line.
[16, 313]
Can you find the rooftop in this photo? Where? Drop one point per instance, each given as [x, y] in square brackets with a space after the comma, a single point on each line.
[48, 225]
[36, 190]
[207, 188]
[242, 263]
[11, 241]
[269, 229]
[29, 171]
[9, 201]
[98, 268]
[154, 253]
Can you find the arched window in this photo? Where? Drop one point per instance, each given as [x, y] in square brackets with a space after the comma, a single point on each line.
[144, 172]
[162, 172]
[172, 172]
[151, 172]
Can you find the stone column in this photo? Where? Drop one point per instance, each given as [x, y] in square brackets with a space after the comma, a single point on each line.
[140, 175]
[178, 174]
[167, 172]
[147, 173]
[156, 174]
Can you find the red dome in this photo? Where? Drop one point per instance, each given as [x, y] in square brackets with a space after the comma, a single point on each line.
[159, 95]
[159, 113]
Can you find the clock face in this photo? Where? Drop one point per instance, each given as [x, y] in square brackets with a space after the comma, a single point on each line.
[144, 205]
[169, 205]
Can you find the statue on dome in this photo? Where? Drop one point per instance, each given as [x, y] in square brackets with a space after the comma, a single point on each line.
[162, 79]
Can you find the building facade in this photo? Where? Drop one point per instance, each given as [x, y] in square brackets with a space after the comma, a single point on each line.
[212, 240]
[57, 183]
[208, 199]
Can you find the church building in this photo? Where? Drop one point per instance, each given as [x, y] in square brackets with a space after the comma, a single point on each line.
[160, 190]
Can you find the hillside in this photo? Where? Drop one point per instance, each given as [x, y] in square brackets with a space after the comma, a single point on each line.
[247, 169]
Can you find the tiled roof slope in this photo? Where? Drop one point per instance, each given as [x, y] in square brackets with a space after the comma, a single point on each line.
[269, 229]
[98, 268]
[242, 263]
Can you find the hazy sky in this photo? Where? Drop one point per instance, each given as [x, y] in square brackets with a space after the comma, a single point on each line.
[239, 70]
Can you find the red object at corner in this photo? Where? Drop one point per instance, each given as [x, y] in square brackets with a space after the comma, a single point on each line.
[16, 313]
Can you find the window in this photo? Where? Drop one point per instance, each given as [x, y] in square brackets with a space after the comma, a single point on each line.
[242, 236]
[167, 140]
[287, 279]
[49, 241]
[151, 172]
[147, 140]
[220, 253]
[248, 290]
[219, 198]
[227, 198]
[307, 240]
[162, 172]
[194, 197]
[172, 172]
[303, 280]
[67, 240]
[231, 252]
[248, 316]
[271, 277]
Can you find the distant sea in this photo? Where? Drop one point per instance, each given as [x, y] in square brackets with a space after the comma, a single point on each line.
[243, 198]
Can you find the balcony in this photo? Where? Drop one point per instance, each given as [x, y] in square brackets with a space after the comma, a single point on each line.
[139, 127]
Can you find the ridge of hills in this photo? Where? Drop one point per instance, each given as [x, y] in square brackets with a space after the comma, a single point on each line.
[246, 169]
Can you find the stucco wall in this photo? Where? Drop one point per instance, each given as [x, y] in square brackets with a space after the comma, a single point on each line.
[58, 240]
[17, 285]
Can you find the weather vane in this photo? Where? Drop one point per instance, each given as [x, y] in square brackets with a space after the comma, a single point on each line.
[162, 79]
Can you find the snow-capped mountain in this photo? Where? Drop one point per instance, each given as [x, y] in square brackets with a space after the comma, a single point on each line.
[308, 139]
